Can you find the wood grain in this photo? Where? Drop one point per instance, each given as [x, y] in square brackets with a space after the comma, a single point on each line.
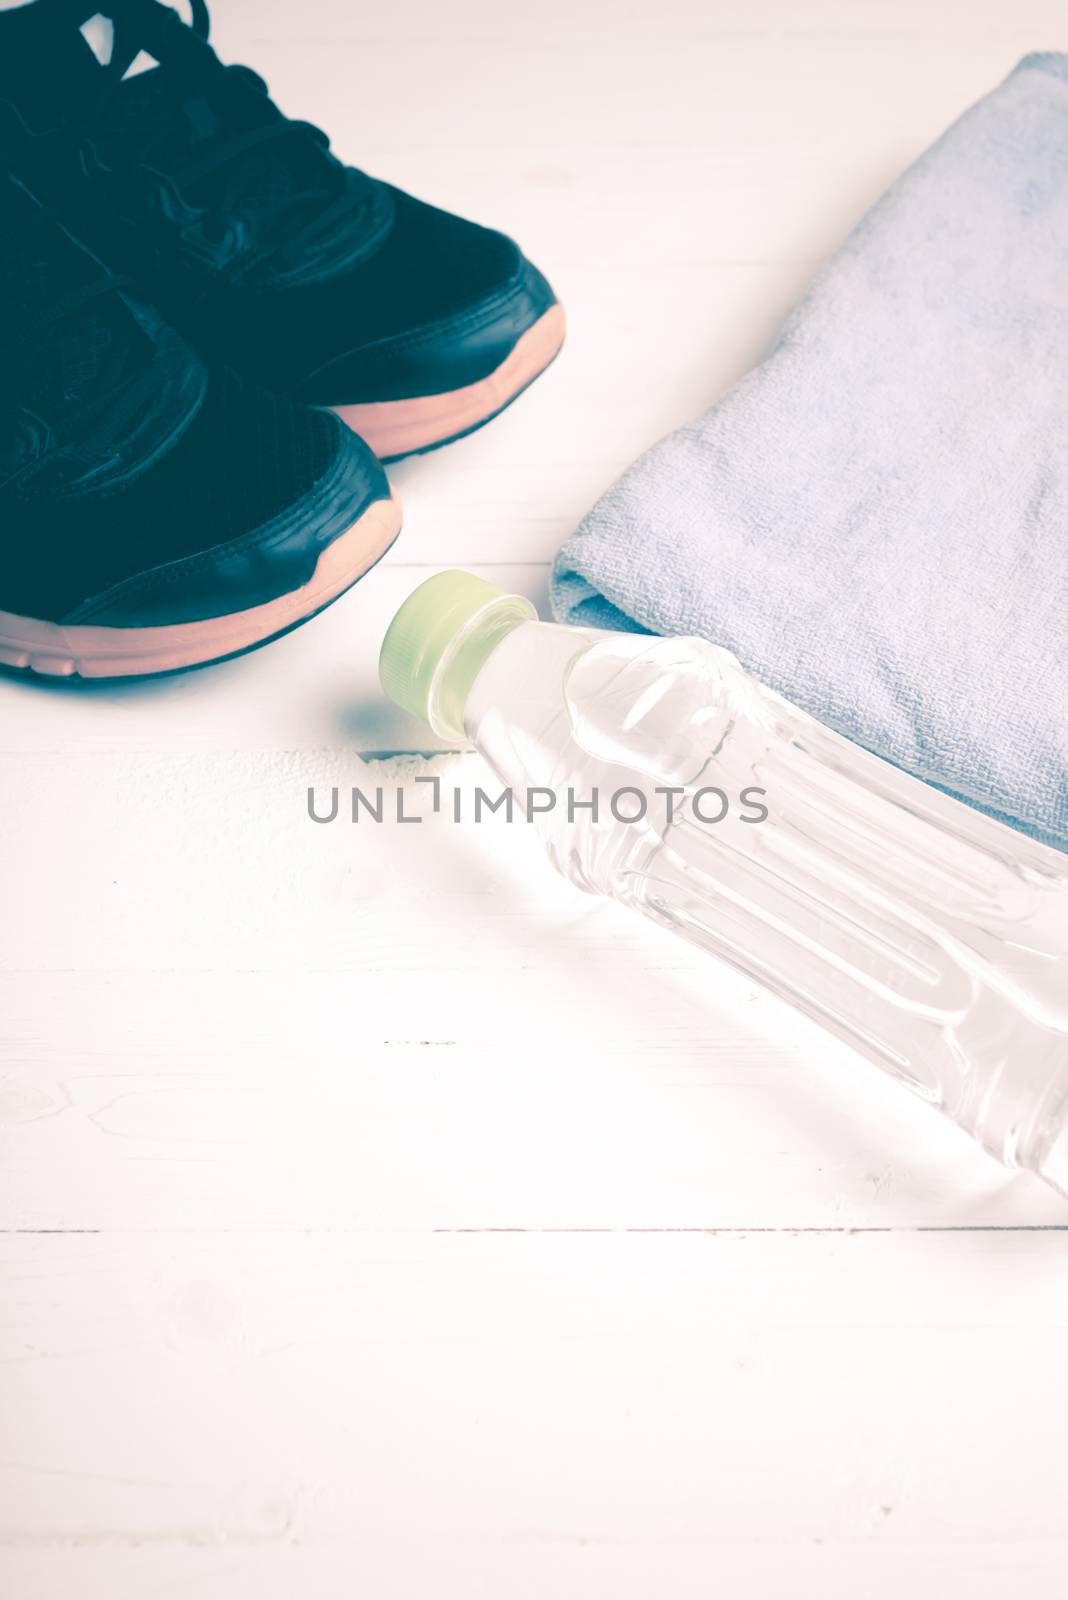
[379, 1216]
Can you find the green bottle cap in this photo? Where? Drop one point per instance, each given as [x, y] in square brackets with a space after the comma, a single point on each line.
[438, 642]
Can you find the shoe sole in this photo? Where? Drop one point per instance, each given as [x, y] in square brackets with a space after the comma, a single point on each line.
[59, 650]
[395, 428]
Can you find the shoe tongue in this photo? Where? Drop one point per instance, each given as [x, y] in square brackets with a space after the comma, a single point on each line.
[175, 117]
[50, 71]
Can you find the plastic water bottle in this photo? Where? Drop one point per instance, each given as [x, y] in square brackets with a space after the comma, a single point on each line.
[929, 936]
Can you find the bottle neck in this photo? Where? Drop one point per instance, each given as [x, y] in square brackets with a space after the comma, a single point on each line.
[465, 656]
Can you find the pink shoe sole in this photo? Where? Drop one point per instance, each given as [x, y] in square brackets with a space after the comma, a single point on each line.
[402, 427]
[66, 651]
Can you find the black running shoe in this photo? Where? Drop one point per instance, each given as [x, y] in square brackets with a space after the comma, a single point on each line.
[270, 255]
[154, 514]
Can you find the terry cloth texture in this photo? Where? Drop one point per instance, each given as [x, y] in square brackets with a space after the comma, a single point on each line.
[875, 520]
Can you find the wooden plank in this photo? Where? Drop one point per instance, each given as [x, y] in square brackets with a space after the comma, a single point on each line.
[503, 1409]
[380, 1216]
[531, 1564]
[414, 1024]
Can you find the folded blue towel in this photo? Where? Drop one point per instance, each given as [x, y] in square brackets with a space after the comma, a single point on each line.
[876, 519]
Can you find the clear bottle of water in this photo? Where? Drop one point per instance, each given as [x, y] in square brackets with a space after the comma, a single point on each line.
[930, 937]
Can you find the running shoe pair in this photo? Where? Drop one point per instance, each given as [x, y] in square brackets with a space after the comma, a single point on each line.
[211, 334]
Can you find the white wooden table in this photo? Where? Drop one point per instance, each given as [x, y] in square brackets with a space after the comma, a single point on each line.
[381, 1218]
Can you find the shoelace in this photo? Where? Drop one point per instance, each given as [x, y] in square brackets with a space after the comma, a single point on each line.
[191, 63]
[120, 392]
